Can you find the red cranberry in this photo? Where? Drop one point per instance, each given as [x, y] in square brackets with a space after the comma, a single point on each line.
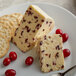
[29, 60]
[10, 72]
[66, 52]
[6, 61]
[13, 56]
[59, 31]
[65, 37]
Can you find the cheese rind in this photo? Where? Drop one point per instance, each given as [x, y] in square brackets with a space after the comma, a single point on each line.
[50, 53]
[34, 25]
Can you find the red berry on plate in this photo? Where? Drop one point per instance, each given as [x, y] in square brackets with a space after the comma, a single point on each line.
[12, 56]
[29, 60]
[66, 52]
[10, 72]
[6, 61]
[59, 31]
[65, 37]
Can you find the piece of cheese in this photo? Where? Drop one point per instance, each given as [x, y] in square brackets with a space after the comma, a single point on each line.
[50, 53]
[34, 25]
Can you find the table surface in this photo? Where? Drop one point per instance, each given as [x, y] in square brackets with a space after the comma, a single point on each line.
[68, 4]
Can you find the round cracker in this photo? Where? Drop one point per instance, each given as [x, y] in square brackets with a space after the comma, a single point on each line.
[5, 31]
[18, 15]
[4, 46]
[13, 19]
[9, 24]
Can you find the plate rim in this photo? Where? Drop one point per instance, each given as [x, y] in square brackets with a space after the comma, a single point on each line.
[18, 5]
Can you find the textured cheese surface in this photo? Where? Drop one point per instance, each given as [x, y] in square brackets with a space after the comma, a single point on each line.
[50, 52]
[34, 25]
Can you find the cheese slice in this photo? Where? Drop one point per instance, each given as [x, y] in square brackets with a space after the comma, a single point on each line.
[50, 53]
[34, 25]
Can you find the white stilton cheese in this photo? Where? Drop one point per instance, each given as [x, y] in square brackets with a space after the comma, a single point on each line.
[50, 53]
[34, 25]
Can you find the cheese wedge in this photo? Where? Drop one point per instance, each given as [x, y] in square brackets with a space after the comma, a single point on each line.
[50, 53]
[34, 25]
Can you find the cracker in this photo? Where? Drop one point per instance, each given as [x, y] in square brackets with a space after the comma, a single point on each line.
[18, 15]
[4, 46]
[9, 24]
[13, 19]
[5, 31]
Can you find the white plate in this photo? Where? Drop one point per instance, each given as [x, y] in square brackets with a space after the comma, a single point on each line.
[63, 19]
